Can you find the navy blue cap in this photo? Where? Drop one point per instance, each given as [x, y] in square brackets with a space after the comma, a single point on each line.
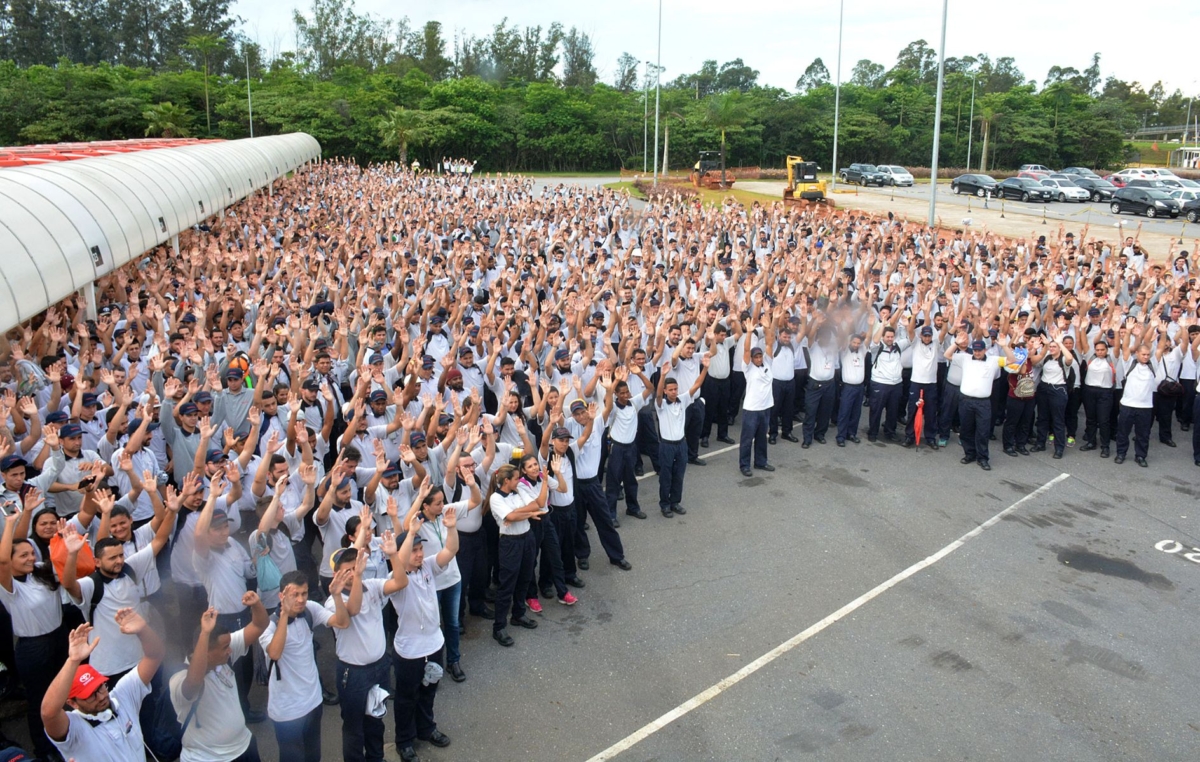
[58, 416]
[70, 430]
[416, 438]
[233, 372]
[427, 361]
[202, 397]
[189, 408]
[926, 330]
[12, 461]
[136, 423]
[90, 400]
[978, 346]
[215, 456]
[376, 358]
[378, 394]
[562, 354]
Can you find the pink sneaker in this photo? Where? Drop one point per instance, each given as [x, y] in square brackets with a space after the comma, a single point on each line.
[568, 600]
[533, 605]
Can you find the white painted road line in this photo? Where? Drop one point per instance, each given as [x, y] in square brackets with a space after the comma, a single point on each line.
[713, 691]
[707, 454]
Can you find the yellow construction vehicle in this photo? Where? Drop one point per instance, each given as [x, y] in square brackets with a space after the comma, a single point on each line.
[802, 182]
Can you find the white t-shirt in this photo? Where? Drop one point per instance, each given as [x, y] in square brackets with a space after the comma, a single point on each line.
[35, 608]
[759, 390]
[218, 730]
[363, 642]
[418, 631]
[117, 652]
[433, 532]
[297, 689]
[117, 740]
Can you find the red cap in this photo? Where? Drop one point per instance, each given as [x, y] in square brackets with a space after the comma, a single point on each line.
[87, 681]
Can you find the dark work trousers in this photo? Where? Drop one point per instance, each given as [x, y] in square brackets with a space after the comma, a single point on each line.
[589, 502]
[800, 387]
[6, 639]
[491, 532]
[605, 447]
[517, 552]
[942, 372]
[754, 434]
[672, 456]
[193, 602]
[449, 603]
[647, 435]
[243, 668]
[621, 460]
[837, 398]
[948, 412]
[1018, 416]
[1187, 403]
[548, 556]
[413, 701]
[975, 426]
[1051, 402]
[929, 410]
[737, 389]
[472, 565]
[1118, 393]
[1196, 428]
[563, 519]
[849, 411]
[1138, 420]
[784, 393]
[716, 393]
[1097, 409]
[1074, 402]
[300, 740]
[999, 400]
[1164, 409]
[362, 734]
[818, 401]
[693, 422]
[38, 660]
[905, 383]
[884, 398]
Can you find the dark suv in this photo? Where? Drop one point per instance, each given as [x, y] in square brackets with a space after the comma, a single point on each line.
[1148, 201]
[863, 174]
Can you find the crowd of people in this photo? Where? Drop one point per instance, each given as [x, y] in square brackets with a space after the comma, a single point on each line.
[381, 401]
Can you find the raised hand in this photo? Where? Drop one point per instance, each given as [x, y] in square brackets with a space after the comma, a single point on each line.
[78, 648]
[130, 622]
[208, 621]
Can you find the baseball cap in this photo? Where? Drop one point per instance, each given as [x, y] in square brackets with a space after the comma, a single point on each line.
[312, 383]
[233, 372]
[189, 409]
[427, 361]
[378, 395]
[376, 359]
[202, 397]
[417, 539]
[453, 373]
[90, 400]
[12, 461]
[926, 330]
[416, 438]
[214, 456]
[392, 469]
[577, 405]
[70, 430]
[978, 346]
[562, 354]
[136, 423]
[219, 519]
[560, 432]
[87, 681]
[756, 351]
[58, 416]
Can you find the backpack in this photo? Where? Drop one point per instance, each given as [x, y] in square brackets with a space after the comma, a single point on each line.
[1025, 388]
[269, 575]
[163, 736]
[273, 664]
[85, 562]
[98, 590]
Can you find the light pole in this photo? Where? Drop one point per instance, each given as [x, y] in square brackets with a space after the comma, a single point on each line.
[646, 120]
[657, 78]
[249, 101]
[937, 117]
[837, 94]
[971, 123]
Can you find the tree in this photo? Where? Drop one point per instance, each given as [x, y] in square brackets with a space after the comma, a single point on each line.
[428, 50]
[726, 112]
[735, 75]
[1091, 76]
[627, 73]
[205, 45]
[867, 73]
[919, 58]
[989, 113]
[579, 69]
[814, 76]
[166, 120]
[401, 127]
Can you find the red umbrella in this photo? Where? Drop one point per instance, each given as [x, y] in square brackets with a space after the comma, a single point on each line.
[919, 420]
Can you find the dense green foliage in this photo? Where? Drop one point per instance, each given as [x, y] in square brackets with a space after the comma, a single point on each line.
[522, 99]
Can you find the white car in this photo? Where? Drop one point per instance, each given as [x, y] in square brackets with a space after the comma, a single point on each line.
[1178, 182]
[896, 175]
[1136, 173]
[1065, 190]
[1159, 173]
[1185, 194]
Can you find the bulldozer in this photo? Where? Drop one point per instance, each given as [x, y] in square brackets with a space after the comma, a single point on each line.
[706, 173]
[802, 182]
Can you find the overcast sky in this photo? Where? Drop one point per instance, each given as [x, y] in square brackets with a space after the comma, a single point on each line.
[781, 37]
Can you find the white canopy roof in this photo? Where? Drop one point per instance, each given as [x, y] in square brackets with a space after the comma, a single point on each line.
[65, 224]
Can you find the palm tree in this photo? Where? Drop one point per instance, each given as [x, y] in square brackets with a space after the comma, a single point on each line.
[727, 113]
[206, 45]
[989, 114]
[167, 120]
[667, 139]
[402, 126]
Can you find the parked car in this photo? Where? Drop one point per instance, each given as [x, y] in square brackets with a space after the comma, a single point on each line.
[1183, 195]
[1133, 173]
[1159, 172]
[1032, 175]
[1178, 182]
[898, 176]
[1148, 201]
[1066, 190]
[1191, 210]
[1035, 168]
[1023, 188]
[980, 185]
[1080, 172]
[1101, 190]
[1139, 183]
[1116, 180]
[863, 174]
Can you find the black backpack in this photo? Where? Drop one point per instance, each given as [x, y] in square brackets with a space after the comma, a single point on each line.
[273, 664]
[98, 583]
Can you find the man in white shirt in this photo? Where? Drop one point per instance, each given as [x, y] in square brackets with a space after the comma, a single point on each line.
[671, 407]
[783, 371]
[205, 694]
[886, 375]
[1137, 401]
[923, 386]
[102, 725]
[717, 385]
[854, 367]
[978, 371]
[621, 417]
[756, 407]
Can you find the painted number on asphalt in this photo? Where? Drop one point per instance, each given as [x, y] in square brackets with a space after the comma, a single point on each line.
[1173, 547]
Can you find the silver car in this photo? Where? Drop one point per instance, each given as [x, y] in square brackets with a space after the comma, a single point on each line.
[896, 175]
[1065, 190]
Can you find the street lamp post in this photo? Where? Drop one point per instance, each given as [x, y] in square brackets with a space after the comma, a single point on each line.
[971, 124]
[937, 117]
[657, 78]
[249, 101]
[837, 94]
[646, 120]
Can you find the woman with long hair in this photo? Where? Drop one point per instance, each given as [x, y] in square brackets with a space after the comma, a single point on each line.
[545, 536]
[30, 592]
[513, 512]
